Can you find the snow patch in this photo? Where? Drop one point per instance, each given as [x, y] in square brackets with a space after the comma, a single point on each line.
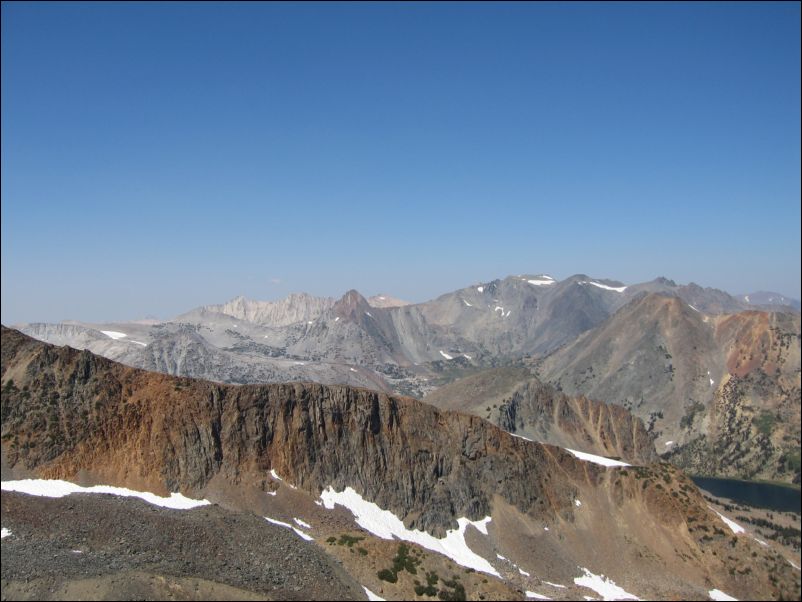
[717, 594]
[617, 289]
[577, 503]
[386, 525]
[274, 474]
[761, 542]
[466, 303]
[4, 533]
[337, 319]
[445, 355]
[604, 586]
[367, 313]
[693, 308]
[271, 493]
[557, 585]
[371, 595]
[536, 596]
[113, 334]
[669, 443]
[57, 488]
[481, 289]
[481, 525]
[523, 572]
[500, 557]
[522, 437]
[298, 532]
[352, 369]
[467, 356]
[597, 459]
[138, 343]
[541, 282]
[301, 523]
[734, 527]
[792, 564]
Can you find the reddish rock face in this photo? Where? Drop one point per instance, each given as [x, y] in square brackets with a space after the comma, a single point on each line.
[71, 411]
[531, 408]
[70, 414]
[703, 381]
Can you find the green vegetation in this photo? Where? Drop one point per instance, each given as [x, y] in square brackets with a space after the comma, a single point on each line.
[764, 422]
[690, 414]
[457, 593]
[348, 540]
[429, 589]
[793, 460]
[403, 561]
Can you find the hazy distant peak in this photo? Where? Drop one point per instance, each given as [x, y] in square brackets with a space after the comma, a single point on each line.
[350, 304]
[767, 298]
[296, 307]
[665, 281]
[383, 300]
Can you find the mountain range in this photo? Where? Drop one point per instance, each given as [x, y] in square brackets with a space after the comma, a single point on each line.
[382, 492]
[714, 377]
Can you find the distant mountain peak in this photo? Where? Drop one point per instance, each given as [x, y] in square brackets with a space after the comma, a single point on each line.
[665, 281]
[767, 298]
[352, 305]
[295, 307]
[384, 300]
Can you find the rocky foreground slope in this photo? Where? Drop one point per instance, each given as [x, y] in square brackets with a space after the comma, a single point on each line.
[90, 547]
[69, 414]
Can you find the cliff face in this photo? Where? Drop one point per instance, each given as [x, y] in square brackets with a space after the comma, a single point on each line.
[66, 411]
[541, 412]
[519, 403]
[69, 414]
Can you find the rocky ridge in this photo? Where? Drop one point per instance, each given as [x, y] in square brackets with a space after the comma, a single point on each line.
[725, 386]
[69, 414]
[519, 403]
[296, 307]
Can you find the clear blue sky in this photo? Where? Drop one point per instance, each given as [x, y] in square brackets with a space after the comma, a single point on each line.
[157, 157]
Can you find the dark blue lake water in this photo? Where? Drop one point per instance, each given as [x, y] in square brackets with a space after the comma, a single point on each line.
[762, 495]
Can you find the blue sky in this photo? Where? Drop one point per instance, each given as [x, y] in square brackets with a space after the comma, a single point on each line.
[156, 157]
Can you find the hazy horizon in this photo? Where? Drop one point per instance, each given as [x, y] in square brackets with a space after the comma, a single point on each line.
[160, 157]
[111, 317]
